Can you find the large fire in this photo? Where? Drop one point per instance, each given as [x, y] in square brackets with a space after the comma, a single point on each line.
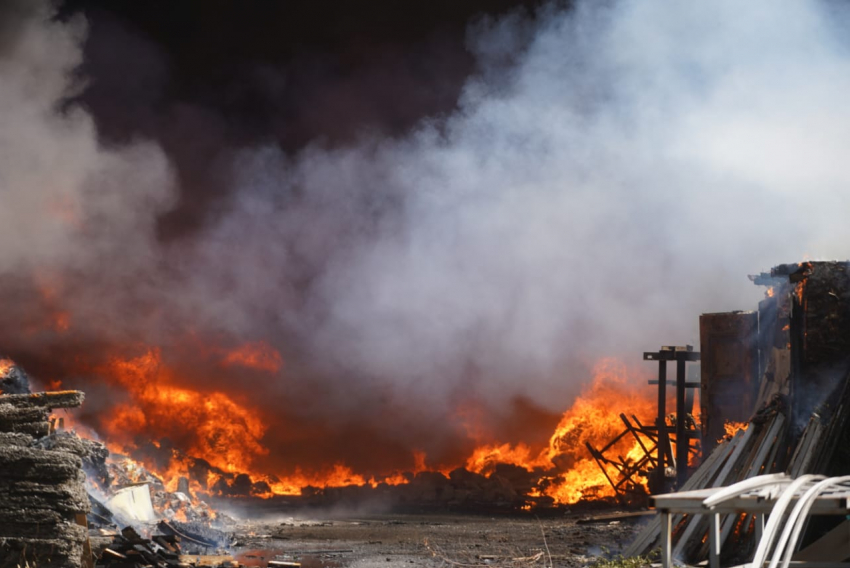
[571, 473]
[226, 435]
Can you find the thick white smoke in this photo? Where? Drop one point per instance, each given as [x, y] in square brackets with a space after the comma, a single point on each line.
[77, 220]
[612, 172]
[625, 174]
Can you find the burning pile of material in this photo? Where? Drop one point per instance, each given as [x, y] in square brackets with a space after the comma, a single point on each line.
[54, 486]
[138, 495]
[225, 439]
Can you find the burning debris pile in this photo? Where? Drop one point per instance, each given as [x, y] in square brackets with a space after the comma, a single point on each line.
[134, 494]
[55, 486]
[126, 495]
[43, 501]
[120, 492]
[206, 440]
[802, 348]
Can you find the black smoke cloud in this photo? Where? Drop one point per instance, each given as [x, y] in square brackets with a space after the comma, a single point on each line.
[604, 175]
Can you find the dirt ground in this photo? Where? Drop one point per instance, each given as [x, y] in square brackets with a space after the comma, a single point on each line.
[433, 540]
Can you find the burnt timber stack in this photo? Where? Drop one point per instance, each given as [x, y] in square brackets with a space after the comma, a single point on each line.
[801, 412]
[43, 501]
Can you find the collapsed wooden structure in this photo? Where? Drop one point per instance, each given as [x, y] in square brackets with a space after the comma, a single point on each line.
[802, 349]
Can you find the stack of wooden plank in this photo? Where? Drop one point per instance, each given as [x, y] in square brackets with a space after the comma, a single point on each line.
[43, 500]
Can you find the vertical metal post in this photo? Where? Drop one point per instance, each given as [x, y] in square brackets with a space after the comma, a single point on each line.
[682, 442]
[661, 422]
[666, 540]
[714, 541]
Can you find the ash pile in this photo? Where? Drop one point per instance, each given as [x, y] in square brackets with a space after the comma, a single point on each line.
[787, 366]
[64, 502]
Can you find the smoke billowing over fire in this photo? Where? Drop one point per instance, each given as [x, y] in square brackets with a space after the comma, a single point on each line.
[400, 302]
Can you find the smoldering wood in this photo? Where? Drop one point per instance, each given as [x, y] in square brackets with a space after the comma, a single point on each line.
[12, 413]
[14, 381]
[28, 464]
[15, 439]
[130, 550]
[195, 533]
[33, 429]
[45, 551]
[92, 453]
[68, 497]
[826, 295]
[108, 552]
[70, 443]
[15, 522]
[54, 399]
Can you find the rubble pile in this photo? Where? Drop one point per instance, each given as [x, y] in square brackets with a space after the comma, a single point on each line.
[134, 496]
[43, 501]
[180, 505]
[130, 550]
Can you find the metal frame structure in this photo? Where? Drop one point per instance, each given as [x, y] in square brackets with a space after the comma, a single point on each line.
[681, 355]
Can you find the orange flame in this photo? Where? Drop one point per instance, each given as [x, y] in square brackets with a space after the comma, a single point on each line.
[485, 458]
[732, 428]
[594, 418]
[800, 288]
[6, 365]
[226, 433]
[229, 435]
